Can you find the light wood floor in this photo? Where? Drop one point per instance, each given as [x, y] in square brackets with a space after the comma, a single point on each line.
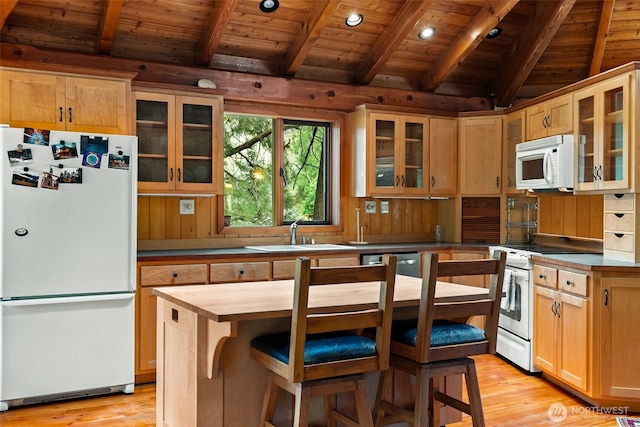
[509, 397]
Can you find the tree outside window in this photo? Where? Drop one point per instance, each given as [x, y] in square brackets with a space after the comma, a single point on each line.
[266, 186]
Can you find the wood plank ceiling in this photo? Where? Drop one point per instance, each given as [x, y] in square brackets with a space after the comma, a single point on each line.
[544, 44]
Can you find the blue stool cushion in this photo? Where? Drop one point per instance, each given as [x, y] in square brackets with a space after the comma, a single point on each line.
[319, 348]
[443, 332]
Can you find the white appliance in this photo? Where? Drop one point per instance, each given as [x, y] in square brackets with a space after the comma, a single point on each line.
[68, 214]
[515, 324]
[545, 164]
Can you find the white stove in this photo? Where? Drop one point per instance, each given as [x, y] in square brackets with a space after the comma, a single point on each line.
[515, 332]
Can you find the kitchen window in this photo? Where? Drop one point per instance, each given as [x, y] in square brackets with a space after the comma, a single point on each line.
[276, 171]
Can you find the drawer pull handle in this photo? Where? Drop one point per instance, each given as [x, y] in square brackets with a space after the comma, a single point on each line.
[618, 235]
[569, 283]
[175, 274]
[619, 196]
[241, 271]
[606, 297]
[541, 276]
[174, 314]
[619, 215]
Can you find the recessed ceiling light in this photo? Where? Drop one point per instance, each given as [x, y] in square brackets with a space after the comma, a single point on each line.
[495, 32]
[354, 19]
[268, 6]
[426, 33]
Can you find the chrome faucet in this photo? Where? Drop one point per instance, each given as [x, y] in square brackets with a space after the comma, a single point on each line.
[292, 232]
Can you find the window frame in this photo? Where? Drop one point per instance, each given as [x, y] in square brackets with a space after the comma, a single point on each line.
[278, 114]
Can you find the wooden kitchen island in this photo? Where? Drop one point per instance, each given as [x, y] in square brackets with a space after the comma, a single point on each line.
[205, 376]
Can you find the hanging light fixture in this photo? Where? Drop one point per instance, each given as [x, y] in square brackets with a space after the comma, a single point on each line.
[426, 33]
[354, 20]
[268, 6]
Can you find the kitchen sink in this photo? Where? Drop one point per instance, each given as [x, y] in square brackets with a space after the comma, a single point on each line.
[298, 248]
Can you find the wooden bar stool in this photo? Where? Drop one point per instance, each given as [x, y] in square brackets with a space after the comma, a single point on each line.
[430, 347]
[324, 354]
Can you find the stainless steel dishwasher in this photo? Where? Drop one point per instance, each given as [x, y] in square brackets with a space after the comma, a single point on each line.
[408, 263]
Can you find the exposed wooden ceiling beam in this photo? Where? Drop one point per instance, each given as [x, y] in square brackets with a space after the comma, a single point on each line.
[217, 21]
[601, 37]
[318, 19]
[526, 52]
[243, 87]
[466, 42]
[6, 6]
[108, 24]
[396, 32]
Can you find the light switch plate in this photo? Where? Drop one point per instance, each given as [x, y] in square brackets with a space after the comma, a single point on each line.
[187, 207]
[370, 206]
[384, 206]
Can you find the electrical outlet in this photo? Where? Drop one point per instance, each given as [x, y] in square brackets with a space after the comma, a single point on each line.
[187, 207]
[384, 206]
[370, 206]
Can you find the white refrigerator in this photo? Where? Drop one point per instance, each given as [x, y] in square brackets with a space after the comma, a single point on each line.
[68, 254]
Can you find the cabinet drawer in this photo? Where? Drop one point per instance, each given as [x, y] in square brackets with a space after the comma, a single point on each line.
[284, 269]
[624, 203]
[619, 222]
[619, 242]
[239, 272]
[173, 274]
[545, 276]
[339, 262]
[575, 283]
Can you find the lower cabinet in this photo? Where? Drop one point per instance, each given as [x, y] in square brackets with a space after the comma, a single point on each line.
[586, 330]
[619, 337]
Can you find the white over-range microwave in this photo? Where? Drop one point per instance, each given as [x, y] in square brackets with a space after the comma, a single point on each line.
[545, 164]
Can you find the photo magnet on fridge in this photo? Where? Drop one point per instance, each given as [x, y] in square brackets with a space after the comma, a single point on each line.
[71, 176]
[91, 159]
[64, 150]
[20, 157]
[119, 161]
[49, 180]
[25, 178]
[36, 136]
[97, 144]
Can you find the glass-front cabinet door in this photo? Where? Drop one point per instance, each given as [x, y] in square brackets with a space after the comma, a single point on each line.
[603, 136]
[179, 143]
[155, 124]
[399, 154]
[385, 133]
[415, 151]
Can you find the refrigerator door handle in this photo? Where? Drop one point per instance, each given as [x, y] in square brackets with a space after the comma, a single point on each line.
[65, 300]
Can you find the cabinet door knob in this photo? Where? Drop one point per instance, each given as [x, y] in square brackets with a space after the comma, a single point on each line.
[70, 119]
[569, 283]
[179, 175]
[541, 276]
[171, 174]
[175, 274]
[606, 297]
[60, 113]
[433, 181]
[397, 180]
[241, 271]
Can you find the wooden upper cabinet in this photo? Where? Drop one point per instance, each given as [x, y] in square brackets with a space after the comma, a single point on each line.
[604, 131]
[480, 165]
[179, 143]
[393, 154]
[61, 102]
[553, 117]
[390, 153]
[443, 156]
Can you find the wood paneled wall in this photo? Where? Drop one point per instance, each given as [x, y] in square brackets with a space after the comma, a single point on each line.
[160, 225]
[572, 216]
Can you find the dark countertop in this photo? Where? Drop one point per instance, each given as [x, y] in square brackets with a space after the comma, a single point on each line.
[377, 248]
[592, 262]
